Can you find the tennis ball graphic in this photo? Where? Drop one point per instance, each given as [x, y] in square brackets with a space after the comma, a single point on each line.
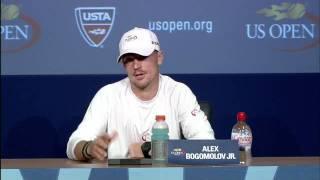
[296, 11]
[9, 12]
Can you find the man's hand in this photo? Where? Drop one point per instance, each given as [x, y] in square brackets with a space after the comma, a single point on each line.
[99, 147]
[135, 151]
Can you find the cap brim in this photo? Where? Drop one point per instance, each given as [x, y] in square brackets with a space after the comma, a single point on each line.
[136, 51]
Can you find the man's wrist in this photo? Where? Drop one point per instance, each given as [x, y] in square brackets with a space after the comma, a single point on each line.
[85, 152]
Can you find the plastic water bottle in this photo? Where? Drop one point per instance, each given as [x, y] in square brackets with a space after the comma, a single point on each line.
[159, 141]
[242, 132]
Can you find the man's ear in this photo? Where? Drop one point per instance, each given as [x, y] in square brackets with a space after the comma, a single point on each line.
[160, 57]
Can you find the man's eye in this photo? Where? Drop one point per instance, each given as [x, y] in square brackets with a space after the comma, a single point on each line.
[139, 57]
[128, 59]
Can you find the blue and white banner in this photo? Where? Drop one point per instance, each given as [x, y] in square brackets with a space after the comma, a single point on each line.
[284, 172]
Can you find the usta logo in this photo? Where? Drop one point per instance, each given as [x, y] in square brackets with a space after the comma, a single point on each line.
[95, 23]
[96, 16]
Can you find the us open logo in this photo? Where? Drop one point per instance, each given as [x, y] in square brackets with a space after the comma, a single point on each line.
[95, 23]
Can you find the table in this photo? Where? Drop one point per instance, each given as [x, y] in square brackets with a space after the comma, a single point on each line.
[62, 169]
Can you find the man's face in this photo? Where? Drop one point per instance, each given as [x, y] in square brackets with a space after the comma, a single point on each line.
[142, 71]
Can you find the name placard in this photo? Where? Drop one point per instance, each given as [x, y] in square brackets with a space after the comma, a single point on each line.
[203, 152]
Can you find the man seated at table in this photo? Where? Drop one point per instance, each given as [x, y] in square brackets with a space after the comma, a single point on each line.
[119, 118]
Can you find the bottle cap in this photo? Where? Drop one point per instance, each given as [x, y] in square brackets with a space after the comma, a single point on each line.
[241, 116]
[160, 117]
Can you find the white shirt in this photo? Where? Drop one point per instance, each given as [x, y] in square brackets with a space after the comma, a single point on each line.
[116, 108]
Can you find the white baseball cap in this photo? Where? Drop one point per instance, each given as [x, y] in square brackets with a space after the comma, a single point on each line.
[139, 41]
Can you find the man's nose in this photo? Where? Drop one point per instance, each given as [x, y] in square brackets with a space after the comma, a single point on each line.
[136, 64]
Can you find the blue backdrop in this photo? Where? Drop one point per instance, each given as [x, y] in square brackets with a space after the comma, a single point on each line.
[39, 113]
[260, 57]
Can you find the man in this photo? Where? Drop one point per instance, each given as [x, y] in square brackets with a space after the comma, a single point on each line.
[119, 118]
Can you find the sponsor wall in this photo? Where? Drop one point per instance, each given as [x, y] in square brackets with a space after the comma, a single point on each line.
[81, 37]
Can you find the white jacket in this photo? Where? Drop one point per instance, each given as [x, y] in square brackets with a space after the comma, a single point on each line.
[116, 108]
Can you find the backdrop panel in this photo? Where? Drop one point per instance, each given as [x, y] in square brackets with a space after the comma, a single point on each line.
[81, 37]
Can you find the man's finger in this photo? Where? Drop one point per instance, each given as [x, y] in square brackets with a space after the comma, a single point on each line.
[100, 153]
[113, 135]
[101, 143]
[109, 137]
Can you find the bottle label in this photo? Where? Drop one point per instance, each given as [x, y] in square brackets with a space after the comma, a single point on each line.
[244, 138]
[159, 150]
